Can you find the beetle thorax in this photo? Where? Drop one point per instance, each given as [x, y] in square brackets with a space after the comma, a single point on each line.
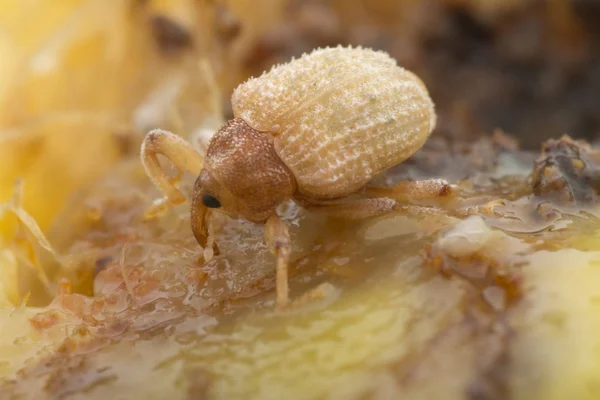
[250, 177]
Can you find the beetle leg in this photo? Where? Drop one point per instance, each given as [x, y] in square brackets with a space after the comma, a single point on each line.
[277, 239]
[366, 208]
[407, 191]
[436, 189]
[180, 153]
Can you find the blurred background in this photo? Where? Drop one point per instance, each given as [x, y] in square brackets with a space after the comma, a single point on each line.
[81, 81]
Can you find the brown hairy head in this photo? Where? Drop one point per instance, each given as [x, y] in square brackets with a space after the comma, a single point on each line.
[243, 174]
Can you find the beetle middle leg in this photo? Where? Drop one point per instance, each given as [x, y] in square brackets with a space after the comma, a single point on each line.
[430, 189]
[180, 153]
[366, 208]
[406, 191]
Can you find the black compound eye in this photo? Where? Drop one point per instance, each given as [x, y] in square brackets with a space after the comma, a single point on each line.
[210, 201]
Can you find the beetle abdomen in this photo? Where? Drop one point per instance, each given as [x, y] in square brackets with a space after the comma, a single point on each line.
[345, 115]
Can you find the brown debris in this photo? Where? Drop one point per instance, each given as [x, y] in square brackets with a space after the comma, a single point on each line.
[567, 172]
[481, 271]
[454, 160]
[170, 36]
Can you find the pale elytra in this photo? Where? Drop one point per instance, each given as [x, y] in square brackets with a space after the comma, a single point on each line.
[314, 130]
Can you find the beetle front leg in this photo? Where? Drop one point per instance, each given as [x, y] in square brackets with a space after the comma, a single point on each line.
[180, 153]
[277, 239]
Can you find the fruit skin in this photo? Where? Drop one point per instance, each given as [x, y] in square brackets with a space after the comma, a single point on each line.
[339, 116]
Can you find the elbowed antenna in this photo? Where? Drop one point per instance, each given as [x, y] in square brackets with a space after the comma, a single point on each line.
[180, 153]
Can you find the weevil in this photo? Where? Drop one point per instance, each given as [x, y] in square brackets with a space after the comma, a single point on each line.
[315, 130]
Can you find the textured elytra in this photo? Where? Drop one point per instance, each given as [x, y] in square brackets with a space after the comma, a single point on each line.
[344, 114]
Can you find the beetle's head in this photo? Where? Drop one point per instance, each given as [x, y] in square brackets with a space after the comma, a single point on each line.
[242, 175]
